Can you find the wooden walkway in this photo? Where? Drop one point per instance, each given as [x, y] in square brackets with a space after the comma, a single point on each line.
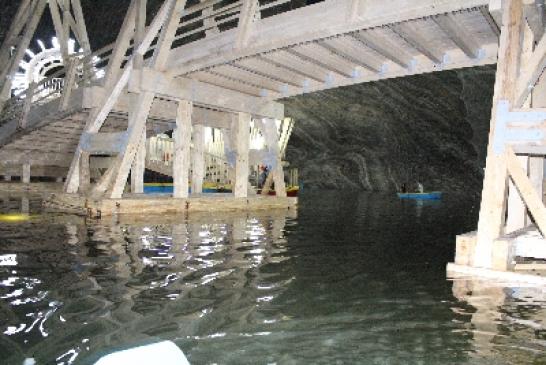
[227, 57]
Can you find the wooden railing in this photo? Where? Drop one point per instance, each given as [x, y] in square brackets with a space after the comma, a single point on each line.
[197, 22]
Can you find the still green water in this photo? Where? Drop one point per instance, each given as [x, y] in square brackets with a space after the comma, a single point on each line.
[350, 279]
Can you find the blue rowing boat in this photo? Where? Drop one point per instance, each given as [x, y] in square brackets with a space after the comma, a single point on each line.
[433, 195]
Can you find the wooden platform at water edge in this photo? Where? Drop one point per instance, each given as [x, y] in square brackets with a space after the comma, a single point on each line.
[153, 204]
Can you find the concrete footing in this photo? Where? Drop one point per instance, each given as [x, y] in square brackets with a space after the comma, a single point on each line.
[153, 204]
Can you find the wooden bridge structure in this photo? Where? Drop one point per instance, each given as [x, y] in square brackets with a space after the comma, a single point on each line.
[227, 63]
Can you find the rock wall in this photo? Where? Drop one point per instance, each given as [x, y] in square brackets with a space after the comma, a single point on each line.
[430, 128]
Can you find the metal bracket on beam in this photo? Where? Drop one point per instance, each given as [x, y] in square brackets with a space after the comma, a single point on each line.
[513, 126]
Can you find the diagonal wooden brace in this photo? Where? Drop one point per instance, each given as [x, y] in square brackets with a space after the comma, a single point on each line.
[526, 190]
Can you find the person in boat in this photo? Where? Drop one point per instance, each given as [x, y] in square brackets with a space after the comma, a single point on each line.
[420, 188]
[403, 188]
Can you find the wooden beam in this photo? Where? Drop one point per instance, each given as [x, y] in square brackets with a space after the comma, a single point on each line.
[142, 109]
[493, 204]
[299, 71]
[113, 88]
[243, 80]
[60, 32]
[25, 176]
[69, 84]
[167, 35]
[536, 173]
[211, 118]
[23, 121]
[516, 217]
[526, 190]
[534, 13]
[83, 37]
[256, 64]
[120, 47]
[530, 72]
[201, 93]
[198, 159]
[138, 166]
[319, 63]
[374, 46]
[140, 27]
[182, 142]
[265, 73]
[490, 20]
[455, 31]
[415, 40]
[269, 128]
[264, 81]
[85, 173]
[241, 134]
[312, 22]
[228, 84]
[134, 134]
[246, 20]
[339, 53]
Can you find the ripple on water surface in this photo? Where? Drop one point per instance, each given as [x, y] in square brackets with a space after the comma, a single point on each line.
[351, 279]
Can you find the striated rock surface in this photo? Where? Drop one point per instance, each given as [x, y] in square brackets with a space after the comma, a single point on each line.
[430, 128]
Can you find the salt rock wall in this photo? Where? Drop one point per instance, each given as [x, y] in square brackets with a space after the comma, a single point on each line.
[430, 128]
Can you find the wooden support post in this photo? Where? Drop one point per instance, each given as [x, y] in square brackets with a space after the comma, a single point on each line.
[25, 176]
[246, 20]
[26, 107]
[85, 173]
[83, 37]
[25, 205]
[123, 162]
[198, 159]
[536, 173]
[241, 132]
[113, 86]
[60, 29]
[137, 126]
[493, 205]
[69, 83]
[138, 168]
[182, 142]
[209, 22]
[516, 217]
[139, 32]
[276, 175]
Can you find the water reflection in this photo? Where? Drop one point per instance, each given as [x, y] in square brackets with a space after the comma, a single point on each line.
[105, 284]
[351, 279]
[507, 324]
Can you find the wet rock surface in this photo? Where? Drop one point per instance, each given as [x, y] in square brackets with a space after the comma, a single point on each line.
[430, 128]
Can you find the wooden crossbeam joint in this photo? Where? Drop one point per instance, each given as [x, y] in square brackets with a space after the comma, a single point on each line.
[516, 126]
